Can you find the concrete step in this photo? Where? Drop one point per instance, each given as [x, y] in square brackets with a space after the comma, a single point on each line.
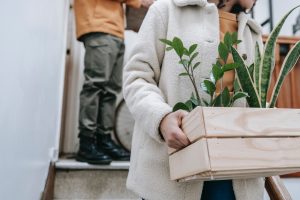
[77, 180]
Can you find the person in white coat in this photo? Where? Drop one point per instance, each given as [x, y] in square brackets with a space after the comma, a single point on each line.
[151, 87]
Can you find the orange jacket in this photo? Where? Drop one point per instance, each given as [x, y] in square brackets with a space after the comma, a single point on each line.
[101, 16]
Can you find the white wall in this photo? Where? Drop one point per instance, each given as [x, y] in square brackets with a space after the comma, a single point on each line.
[32, 57]
[280, 8]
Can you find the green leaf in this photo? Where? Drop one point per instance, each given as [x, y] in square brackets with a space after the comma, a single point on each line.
[217, 72]
[194, 100]
[194, 56]
[178, 46]
[169, 48]
[189, 104]
[184, 62]
[196, 65]
[245, 81]
[239, 95]
[268, 61]
[209, 87]
[228, 40]
[251, 71]
[223, 51]
[205, 102]
[180, 106]
[288, 64]
[228, 67]
[186, 52]
[234, 37]
[223, 99]
[257, 71]
[192, 48]
[167, 42]
[183, 74]
[236, 86]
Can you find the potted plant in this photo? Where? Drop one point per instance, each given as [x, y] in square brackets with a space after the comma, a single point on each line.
[266, 142]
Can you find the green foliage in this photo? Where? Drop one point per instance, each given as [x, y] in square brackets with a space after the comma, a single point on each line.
[187, 57]
[252, 81]
[255, 80]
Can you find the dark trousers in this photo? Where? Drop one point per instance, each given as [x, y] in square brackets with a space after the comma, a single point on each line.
[103, 66]
[217, 190]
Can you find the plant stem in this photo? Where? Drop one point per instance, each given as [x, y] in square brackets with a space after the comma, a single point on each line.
[192, 78]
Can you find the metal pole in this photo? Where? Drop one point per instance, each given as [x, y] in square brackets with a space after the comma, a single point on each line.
[271, 15]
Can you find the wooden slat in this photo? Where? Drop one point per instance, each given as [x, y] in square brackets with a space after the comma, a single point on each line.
[193, 125]
[284, 39]
[189, 161]
[231, 158]
[228, 175]
[254, 153]
[241, 122]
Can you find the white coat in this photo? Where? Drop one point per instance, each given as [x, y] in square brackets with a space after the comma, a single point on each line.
[151, 86]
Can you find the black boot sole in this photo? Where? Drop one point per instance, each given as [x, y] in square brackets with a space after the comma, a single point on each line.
[93, 162]
[121, 159]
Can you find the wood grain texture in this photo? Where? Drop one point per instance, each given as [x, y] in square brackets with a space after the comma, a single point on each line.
[193, 125]
[254, 153]
[241, 122]
[236, 158]
[189, 161]
[276, 189]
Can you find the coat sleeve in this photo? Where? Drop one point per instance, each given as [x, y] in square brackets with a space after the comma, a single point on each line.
[141, 74]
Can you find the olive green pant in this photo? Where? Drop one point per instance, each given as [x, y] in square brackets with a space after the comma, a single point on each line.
[103, 66]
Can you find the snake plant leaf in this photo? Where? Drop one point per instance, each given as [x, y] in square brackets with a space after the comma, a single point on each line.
[251, 71]
[245, 81]
[267, 62]
[180, 106]
[223, 99]
[288, 64]
[236, 86]
[257, 68]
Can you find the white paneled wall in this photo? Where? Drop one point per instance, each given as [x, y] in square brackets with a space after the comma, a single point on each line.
[280, 8]
[32, 64]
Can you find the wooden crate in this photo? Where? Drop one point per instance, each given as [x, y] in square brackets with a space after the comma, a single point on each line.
[231, 143]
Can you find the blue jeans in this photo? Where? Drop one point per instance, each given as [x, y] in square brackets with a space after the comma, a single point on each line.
[218, 190]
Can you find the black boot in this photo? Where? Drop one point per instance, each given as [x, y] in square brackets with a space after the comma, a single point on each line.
[108, 146]
[89, 153]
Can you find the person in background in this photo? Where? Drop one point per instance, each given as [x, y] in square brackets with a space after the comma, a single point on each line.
[100, 26]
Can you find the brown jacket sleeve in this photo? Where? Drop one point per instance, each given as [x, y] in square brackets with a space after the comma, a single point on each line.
[133, 3]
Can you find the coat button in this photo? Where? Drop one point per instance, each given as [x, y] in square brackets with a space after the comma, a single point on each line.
[244, 56]
[209, 40]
